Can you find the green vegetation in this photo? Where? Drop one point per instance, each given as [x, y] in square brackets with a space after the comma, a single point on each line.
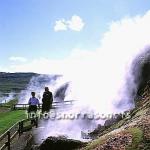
[14, 81]
[95, 143]
[137, 138]
[11, 103]
[8, 118]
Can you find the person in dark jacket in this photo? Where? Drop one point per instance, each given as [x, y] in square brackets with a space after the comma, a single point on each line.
[47, 100]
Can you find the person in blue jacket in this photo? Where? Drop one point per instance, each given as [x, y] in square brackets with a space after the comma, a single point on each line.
[33, 103]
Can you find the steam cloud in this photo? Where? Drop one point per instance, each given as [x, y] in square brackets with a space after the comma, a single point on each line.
[7, 97]
[99, 80]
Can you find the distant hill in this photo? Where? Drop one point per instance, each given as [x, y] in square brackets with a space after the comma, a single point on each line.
[14, 81]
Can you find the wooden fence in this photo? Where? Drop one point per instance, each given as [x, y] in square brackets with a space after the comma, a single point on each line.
[54, 105]
[16, 129]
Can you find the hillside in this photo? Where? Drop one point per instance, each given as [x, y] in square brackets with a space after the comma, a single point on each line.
[14, 81]
[130, 133]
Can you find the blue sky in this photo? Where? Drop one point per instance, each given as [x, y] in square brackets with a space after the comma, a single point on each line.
[27, 26]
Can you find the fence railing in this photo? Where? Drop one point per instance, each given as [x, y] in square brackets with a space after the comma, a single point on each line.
[4, 105]
[16, 129]
[54, 105]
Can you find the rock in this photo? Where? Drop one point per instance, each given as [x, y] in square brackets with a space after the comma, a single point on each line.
[61, 143]
[118, 142]
[113, 120]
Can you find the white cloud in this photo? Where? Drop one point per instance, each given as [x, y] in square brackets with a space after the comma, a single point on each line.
[17, 59]
[75, 23]
[60, 25]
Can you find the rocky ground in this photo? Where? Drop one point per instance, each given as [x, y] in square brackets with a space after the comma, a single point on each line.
[117, 142]
[130, 133]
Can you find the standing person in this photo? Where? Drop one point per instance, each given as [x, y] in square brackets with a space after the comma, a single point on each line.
[47, 100]
[33, 102]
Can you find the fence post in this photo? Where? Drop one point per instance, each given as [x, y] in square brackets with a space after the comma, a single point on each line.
[20, 128]
[14, 107]
[36, 122]
[8, 142]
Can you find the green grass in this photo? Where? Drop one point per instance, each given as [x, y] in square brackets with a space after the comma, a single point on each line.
[137, 138]
[95, 143]
[7, 119]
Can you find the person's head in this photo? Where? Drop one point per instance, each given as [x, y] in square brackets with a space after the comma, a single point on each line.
[46, 89]
[33, 94]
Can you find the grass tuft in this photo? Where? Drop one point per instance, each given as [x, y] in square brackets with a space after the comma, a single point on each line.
[137, 134]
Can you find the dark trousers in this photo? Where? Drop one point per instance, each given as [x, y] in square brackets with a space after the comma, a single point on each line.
[46, 107]
[32, 108]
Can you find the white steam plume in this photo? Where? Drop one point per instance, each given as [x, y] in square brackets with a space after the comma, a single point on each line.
[98, 78]
[37, 84]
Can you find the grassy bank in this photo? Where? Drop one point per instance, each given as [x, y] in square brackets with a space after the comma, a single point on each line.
[8, 118]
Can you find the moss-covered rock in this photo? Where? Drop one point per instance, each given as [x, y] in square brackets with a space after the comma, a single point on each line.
[61, 143]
